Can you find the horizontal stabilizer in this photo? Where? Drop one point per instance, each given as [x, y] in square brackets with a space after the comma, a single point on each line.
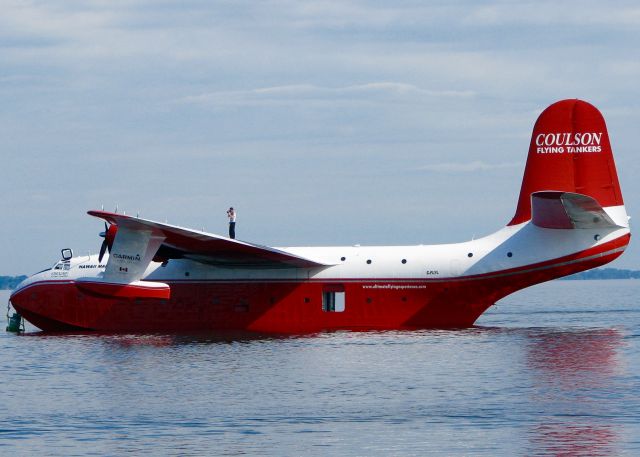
[568, 210]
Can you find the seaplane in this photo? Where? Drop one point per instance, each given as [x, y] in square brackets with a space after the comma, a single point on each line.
[156, 277]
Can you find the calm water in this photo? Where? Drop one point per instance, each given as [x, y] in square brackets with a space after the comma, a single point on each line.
[551, 370]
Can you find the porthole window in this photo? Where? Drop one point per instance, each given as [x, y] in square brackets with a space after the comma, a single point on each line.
[509, 254]
[242, 307]
[369, 262]
[186, 273]
[470, 254]
[596, 237]
[343, 258]
[404, 260]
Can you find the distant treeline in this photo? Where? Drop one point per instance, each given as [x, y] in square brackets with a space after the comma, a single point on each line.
[10, 282]
[606, 273]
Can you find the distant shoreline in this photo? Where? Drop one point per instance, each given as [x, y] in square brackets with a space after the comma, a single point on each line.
[10, 282]
[605, 273]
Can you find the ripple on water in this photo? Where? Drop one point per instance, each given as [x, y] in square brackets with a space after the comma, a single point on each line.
[550, 370]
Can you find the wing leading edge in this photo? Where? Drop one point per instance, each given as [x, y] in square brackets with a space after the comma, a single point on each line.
[183, 243]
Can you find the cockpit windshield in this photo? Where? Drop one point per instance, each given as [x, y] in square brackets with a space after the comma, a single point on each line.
[62, 265]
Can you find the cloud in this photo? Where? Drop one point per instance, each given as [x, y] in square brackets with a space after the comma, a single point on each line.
[282, 90]
[551, 13]
[453, 167]
[298, 92]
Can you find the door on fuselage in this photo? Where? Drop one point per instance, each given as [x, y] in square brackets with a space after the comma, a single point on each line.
[333, 298]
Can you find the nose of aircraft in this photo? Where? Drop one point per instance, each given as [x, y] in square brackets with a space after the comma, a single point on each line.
[18, 295]
[30, 301]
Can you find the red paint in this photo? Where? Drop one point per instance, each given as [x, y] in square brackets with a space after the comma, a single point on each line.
[295, 306]
[110, 236]
[618, 243]
[569, 152]
[564, 125]
[125, 290]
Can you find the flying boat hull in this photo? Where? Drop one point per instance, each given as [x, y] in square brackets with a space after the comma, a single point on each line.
[162, 278]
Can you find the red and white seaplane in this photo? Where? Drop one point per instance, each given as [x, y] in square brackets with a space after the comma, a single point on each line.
[163, 278]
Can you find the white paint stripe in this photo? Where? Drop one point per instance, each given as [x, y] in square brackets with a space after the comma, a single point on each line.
[367, 280]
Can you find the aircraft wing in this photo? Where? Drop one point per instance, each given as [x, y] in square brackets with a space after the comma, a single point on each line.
[181, 243]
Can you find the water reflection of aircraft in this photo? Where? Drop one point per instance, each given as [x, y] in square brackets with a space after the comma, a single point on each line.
[574, 380]
[573, 358]
[159, 277]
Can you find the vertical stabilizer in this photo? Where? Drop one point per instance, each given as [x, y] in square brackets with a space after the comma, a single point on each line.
[569, 152]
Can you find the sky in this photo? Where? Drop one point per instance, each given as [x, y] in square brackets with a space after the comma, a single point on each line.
[323, 123]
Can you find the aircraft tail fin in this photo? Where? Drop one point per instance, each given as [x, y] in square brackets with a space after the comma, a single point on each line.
[569, 154]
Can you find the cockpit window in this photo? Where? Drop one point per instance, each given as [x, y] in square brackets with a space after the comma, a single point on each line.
[62, 266]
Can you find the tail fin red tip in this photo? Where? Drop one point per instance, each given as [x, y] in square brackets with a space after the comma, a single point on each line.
[569, 152]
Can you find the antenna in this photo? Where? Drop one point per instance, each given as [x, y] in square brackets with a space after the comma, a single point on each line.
[116, 211]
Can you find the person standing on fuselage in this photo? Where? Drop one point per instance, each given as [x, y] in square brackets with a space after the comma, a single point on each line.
[231, 214]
